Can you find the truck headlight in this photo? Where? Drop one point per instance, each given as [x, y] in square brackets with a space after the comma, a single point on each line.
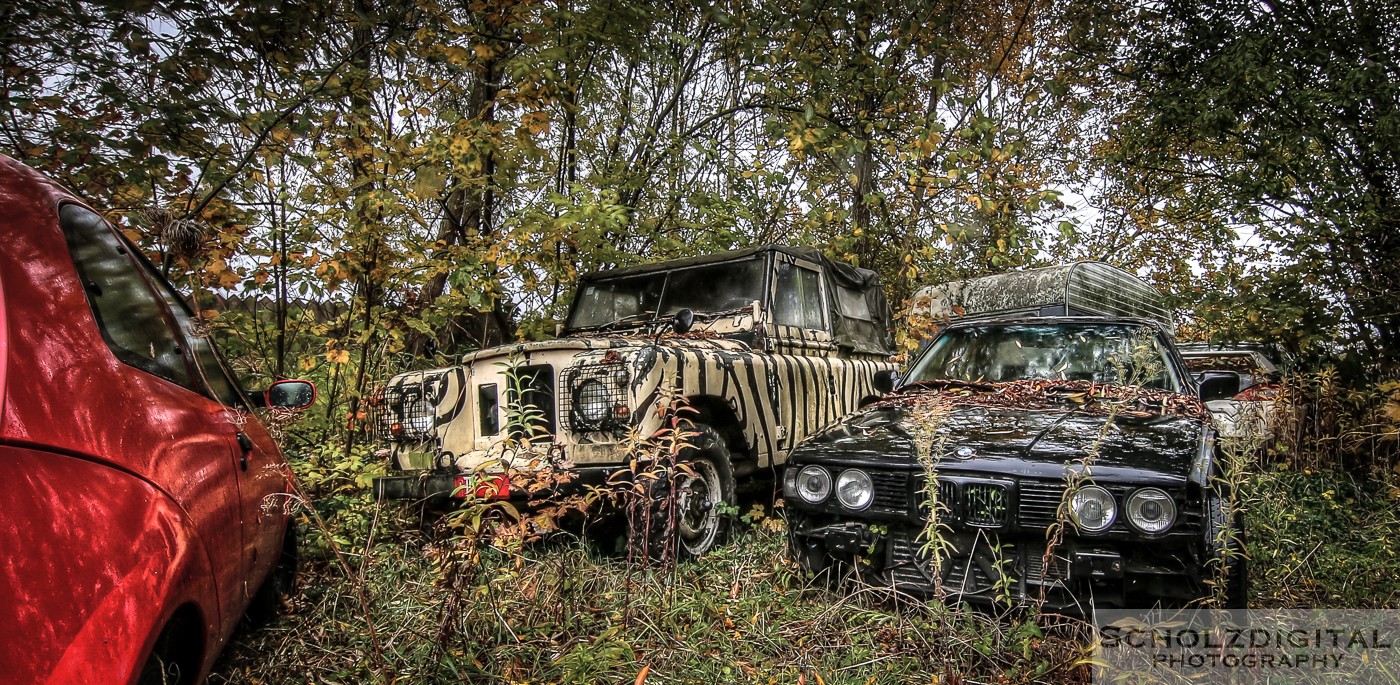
[813, 484]
[854, 489]
[1151, 510]
[592, 402]
[1092, 509]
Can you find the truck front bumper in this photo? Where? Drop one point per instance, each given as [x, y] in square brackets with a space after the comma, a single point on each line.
[439, 489]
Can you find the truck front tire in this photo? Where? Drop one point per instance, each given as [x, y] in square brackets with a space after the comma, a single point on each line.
[689, 512]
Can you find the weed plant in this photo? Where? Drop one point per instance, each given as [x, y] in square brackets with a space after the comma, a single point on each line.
[386, 598]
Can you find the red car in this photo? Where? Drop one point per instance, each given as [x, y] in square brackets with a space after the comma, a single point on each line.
[142, 505]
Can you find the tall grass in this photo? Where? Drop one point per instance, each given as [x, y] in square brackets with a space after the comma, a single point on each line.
[389, 597]
[448, 610]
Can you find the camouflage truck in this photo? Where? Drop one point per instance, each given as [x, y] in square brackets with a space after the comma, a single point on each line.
[765, 345]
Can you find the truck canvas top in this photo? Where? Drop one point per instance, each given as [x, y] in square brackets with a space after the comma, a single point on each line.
[641, 294]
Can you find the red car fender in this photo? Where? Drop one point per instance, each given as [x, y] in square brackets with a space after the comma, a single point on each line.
[116, 558]
[4, 348]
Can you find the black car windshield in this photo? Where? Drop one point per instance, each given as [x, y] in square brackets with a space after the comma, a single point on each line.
[709, 288]
[1103, 353]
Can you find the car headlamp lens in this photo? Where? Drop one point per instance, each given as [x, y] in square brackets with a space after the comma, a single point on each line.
[813, 484]
[854, 489]
[1151, 510]
[591, 401]
[1092, 509]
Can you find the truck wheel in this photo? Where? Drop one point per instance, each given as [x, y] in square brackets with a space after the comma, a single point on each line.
[1225, 549]
[703, 489]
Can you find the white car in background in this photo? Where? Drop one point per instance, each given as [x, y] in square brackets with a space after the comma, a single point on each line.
[1246, 418]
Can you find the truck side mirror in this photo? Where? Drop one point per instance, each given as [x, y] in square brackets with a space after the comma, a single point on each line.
[682, 321]
[1219, 385]
[885, 381]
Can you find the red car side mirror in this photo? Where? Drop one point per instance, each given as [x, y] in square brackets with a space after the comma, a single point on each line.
[290, 394]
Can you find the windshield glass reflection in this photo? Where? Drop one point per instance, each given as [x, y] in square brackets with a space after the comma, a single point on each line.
[702, 289]
[1102, 353]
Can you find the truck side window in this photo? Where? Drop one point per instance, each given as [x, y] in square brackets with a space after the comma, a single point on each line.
[128, 314]
[797, 298]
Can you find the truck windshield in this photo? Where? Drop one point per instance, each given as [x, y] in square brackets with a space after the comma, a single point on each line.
[1104, 353]
[709, 288]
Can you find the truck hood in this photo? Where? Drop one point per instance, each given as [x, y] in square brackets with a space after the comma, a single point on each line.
[606, 342]
[1029, 429]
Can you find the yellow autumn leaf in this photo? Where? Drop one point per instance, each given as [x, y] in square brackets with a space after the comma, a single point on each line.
[338, 356]
[455, 55]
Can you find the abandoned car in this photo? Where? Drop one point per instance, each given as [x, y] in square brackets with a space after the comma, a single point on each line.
[1047, 447]
[143, 507]
[1249, 377]
[764, 345]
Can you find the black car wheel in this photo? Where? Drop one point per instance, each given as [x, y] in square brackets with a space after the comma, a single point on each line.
[1226, 563]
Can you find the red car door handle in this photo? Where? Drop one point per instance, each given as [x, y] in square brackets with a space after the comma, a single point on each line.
[245, 444]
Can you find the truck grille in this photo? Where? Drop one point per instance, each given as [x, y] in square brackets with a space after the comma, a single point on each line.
[530, 398]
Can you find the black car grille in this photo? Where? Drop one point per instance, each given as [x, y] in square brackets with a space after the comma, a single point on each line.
[1039, 503]
[905, 567]
[973, 502]
[1029, 504]
[1041, 570]
[984, 504]
[891, 492]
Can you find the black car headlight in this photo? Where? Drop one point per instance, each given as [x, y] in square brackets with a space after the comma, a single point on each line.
[1092, 509]
[1150, 510]
[812, 484]
[592, 401]
[854, 489]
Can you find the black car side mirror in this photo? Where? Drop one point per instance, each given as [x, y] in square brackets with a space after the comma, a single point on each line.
[1219, 385]
[290, 394]
[885, 381]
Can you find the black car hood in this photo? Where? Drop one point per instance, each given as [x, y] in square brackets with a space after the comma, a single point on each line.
[1038, 437]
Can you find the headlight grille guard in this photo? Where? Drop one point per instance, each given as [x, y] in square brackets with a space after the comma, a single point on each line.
[407, 412]
[573, 377]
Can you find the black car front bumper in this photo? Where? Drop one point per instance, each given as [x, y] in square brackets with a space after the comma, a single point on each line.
[981, 567]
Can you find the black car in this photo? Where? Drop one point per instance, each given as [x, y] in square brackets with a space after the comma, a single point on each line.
[1065, 461]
